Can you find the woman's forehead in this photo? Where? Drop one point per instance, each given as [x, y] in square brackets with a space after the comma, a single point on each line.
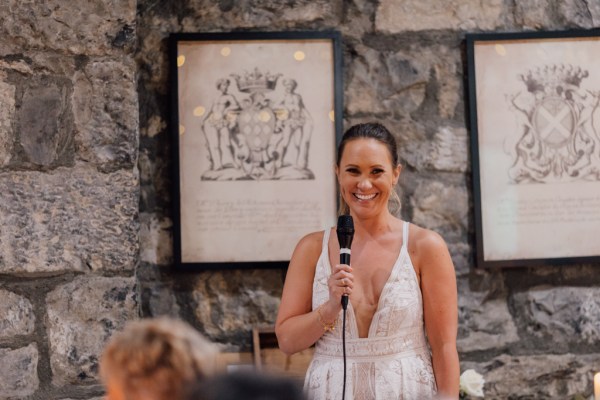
[366, 148]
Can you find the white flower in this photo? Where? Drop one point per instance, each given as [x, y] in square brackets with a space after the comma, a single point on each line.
[471, 383]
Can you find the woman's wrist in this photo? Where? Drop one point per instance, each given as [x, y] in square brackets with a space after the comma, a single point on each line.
[329, 311]
[327, 324]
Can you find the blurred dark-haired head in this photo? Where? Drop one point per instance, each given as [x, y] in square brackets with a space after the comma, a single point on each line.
[247, 386]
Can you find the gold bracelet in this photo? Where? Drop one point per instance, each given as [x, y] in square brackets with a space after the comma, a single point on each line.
[326, 327]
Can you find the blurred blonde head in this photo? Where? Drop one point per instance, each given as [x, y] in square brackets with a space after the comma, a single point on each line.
[155, 359]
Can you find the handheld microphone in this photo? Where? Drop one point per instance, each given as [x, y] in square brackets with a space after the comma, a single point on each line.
[345, 234]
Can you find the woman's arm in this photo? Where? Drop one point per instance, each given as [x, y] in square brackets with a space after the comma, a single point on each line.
[298, 327]
[440, 309]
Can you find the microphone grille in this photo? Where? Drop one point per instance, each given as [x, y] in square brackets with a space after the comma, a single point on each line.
[345, 223]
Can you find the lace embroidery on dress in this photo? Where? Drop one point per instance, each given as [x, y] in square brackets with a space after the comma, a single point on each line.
[393, 361]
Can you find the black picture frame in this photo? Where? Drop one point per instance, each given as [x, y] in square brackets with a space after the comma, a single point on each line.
[533, 104]
[254, 163]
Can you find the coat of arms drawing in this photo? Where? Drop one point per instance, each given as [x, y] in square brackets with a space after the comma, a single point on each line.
[257, 137]
[560, 140]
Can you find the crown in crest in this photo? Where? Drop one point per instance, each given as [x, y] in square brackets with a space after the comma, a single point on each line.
[256, 81]
[555, 79]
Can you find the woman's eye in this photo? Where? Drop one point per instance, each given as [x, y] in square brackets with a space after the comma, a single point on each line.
[377, 171]
[352, 170]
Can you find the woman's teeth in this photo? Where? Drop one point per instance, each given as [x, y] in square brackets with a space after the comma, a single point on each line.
[365, 196]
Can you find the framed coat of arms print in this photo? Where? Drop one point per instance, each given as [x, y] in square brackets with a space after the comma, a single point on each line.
[255, 121]
[535, 128]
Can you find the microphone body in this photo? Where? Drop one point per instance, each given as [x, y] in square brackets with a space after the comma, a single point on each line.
[345, 234]
[345, 257]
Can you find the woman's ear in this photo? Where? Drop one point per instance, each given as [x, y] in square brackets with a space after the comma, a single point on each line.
[397, 172]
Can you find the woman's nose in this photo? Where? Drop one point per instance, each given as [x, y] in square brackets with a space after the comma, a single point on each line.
[364, 184]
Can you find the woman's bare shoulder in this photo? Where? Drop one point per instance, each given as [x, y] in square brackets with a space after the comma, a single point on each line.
[309, 247]
[312, 240]
[425, 245]
[425, 239]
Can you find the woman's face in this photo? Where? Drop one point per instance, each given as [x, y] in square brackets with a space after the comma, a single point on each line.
[366, 176]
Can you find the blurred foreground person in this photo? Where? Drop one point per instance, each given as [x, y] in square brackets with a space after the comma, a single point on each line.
[156, 359]
[247, 386]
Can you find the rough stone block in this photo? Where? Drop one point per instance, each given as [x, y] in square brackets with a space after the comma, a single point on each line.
[7, 112]
[580, 14]
[384, 82]
[441, 207]
[82, 315]
[155, 182]
[155, 126]
[16, 315]
[535, 14]
[462, 257]
[563, 316]
[232, 302]
[91, 398]
[45, 125]
[358, 18]
[106, 114]
[153, 53]
[483, 323]
[418, 15]
[230, 14]
[448, 74]
[158, 299]
[18, 372]
[158, 291]
[448, 150]
[537, 377]
[68, 220]
[396, 82]
[156, 239]
[92, 27]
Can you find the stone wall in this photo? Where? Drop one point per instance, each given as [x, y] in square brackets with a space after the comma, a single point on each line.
[69, 245]
[532, 332]
[86, 242]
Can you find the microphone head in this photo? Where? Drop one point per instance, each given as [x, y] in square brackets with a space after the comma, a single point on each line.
[345, 231]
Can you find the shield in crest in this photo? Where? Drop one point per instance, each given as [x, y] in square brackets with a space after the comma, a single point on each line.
[554, 120]
[256, 126]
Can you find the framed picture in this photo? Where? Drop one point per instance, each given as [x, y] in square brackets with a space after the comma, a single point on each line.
[535, 128]
[255, 118]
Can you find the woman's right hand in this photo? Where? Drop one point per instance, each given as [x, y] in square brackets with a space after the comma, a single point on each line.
[340, 282]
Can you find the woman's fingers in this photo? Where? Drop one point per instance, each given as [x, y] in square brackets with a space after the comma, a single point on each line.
[342, 278]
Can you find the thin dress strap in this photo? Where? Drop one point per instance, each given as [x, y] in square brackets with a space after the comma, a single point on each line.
[405, 234]
[326, 233]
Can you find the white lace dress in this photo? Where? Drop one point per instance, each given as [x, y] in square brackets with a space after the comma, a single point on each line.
[394, 361]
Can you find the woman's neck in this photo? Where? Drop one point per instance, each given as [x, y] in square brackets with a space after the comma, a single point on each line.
[375, 226]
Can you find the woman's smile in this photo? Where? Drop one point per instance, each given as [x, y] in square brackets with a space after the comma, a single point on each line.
[365, 197]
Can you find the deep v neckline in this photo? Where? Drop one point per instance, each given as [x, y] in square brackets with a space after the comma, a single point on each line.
[350, 310]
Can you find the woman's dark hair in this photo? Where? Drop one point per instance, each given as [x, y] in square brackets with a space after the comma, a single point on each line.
[371, 130]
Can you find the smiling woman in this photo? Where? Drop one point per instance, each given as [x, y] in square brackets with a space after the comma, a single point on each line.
[402, 311]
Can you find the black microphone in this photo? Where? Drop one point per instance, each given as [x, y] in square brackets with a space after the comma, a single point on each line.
[345, 234]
